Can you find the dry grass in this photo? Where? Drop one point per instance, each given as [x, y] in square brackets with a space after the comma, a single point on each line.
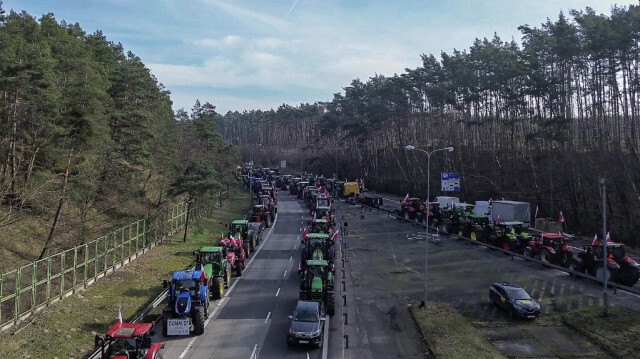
[617, 334]
[66, 329]
[449, 335]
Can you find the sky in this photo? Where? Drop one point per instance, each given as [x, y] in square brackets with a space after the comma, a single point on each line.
[259, 54]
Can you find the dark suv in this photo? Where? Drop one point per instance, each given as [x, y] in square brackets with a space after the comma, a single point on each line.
[307, 324]
[514, 299]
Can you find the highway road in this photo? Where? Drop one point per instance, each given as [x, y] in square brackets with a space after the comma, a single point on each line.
[251, 320]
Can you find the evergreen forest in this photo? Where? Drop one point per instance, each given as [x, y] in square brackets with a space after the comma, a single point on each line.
[89, 140]
[541, 120]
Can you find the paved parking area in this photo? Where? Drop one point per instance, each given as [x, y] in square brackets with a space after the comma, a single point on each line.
[385, 272]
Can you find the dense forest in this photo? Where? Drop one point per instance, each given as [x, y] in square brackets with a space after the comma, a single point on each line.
[89, 140]
[541, 120]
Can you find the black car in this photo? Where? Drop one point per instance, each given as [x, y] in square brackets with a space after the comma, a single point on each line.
[307, 324]
[514, 299]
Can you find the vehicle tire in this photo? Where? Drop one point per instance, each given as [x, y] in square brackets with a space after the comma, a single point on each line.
[218, 288]
[239, 269]
[227, 275]
[513, 314]
[198, 321]
[164, 327]
[474, 236]
[273, 217]
[268, 223]
[629, 276]
[545, 255]
[528, 252]
[331, 304]
[460, 233]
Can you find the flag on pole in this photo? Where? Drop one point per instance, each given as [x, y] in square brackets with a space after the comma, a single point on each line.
[561, 219]
[608, 238]
[120, 315]
[335, 235]
[498, 220]
[537, 213]
[595, 240]
[404, 201]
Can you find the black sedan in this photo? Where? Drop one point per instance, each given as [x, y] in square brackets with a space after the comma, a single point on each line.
[514, 299]
[307, 324]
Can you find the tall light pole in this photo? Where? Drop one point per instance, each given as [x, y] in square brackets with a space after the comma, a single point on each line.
[426, 242]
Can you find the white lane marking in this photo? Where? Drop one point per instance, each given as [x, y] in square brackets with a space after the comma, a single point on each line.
[253, 353]
[285, 274]
[219, 304]
[277, 292]
[297, 238]
[296, 246]
[291, 258]
[268, 315]
[325, 339]
[300, 231]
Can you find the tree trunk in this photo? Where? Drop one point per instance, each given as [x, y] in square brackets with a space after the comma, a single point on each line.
[56, 219]
[186, 225]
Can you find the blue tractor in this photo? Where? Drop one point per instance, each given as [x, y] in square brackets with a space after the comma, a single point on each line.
[188, 303]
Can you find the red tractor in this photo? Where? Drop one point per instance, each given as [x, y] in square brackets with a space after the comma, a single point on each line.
[235, 253]
[129, 341]
[550, 248]
[268, 201]
[621, 269]
[260, 214]
[413, 209]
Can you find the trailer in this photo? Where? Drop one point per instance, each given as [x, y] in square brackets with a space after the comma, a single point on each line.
[511, 211]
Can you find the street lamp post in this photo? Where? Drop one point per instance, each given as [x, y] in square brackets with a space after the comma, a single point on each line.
[426, 243]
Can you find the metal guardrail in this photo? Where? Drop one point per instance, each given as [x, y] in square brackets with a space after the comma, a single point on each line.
[574, 274]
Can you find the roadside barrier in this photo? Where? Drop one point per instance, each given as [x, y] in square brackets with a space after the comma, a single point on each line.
[32, 287]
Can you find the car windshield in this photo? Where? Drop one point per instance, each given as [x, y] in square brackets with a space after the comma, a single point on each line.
[517, 293]
[306, 315]
[185, 284]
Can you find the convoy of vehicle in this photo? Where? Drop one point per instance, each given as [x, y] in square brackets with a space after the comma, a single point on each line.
[503, 224]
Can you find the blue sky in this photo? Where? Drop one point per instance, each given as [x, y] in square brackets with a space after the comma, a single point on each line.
[258, 54]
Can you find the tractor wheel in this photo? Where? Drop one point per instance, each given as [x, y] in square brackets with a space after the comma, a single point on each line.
[218, 288]
[227, 275]
[331, 304]
[164, 327]
[198, 321]
[528, 252]
[629, 276]
[460, 233]
[273, 217]
[545, 255]
[251, 246]
[239, 269]
[474, 236]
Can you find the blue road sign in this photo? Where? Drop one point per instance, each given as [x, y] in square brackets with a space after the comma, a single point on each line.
[450, 182]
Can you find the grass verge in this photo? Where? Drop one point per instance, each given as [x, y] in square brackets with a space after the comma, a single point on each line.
[617, 334]
[66, 329]
[450, 335]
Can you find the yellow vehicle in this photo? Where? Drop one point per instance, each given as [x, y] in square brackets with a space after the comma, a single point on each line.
[351, 188]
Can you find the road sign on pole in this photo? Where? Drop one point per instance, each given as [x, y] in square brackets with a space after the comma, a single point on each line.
[450, 182]
[283, 164]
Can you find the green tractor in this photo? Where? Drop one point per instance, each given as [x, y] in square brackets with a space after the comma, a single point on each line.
[240, 229]
[318, 246]
[476, 227]
[213, 261]
[316, 284]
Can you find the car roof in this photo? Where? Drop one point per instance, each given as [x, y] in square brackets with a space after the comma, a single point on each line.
[507, 285]
[303, 304]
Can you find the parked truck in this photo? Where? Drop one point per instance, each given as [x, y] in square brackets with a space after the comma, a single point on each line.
[511, 211]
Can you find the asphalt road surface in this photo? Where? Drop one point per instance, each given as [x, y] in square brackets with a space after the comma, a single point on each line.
[251, 320]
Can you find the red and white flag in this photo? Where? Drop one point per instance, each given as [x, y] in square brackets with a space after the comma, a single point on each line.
[120, 315]
[404, 201]
[498, 220]
[595, 240]
[561, 219]
[537, 213]
[335, 235]
[608, 238]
